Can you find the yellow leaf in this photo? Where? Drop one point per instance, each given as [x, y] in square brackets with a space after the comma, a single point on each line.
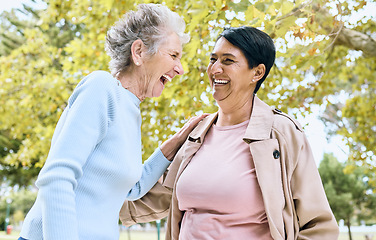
[287, 6]
[107, 4]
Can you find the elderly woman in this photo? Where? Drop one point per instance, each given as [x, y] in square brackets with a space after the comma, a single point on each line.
[95, 161]
[245, 172]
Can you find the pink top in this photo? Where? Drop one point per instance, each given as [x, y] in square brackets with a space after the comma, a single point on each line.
[219, 191]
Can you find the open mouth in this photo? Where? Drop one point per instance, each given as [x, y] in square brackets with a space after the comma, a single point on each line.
[165, 78]
[220, 82]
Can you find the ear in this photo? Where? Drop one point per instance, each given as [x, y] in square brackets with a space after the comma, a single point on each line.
[137, 50]
[259, 72]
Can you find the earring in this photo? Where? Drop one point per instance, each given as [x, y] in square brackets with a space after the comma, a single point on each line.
[137, 63]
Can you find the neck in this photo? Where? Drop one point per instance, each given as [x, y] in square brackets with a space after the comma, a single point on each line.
[232, 115]
[130, 80]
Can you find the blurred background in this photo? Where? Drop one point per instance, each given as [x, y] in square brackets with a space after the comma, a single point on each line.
[324, 75]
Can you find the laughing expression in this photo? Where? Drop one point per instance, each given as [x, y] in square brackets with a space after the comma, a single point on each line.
[229, 74]
[164, 65]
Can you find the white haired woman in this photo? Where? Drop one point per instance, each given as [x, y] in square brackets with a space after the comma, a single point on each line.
[95, 161]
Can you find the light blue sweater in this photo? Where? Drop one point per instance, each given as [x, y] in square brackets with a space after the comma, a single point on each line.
[94, 164]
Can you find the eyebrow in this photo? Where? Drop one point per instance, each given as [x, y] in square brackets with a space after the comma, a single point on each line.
[224, 55]
[176, 52]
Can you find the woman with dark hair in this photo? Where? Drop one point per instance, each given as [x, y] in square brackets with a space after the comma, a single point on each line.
[95, 159]
[246, 171]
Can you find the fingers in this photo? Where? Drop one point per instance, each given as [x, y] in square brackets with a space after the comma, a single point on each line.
[193, 121]
[172, 145]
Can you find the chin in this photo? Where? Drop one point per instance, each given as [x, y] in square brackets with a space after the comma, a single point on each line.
[219, 96]
[157, 94]
[216, 96]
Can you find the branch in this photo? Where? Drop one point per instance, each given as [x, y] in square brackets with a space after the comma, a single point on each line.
[343, 36]
[357, 41]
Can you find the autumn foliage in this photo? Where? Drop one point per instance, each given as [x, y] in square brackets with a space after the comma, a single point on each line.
[324, 57]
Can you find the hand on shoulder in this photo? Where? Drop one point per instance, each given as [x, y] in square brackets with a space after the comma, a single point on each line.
[170, 147]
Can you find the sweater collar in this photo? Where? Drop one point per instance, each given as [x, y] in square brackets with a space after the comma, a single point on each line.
[131, 95]
[134, 98]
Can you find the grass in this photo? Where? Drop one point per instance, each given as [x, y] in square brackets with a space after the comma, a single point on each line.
[141, 235]
[356, 236]
[134, 235]
[152, 235]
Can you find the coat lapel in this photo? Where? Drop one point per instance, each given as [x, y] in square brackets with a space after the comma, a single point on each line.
[195, 140]
[186, 152]
[260, 123]
[268, 166]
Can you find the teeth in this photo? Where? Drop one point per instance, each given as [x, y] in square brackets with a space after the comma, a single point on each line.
[167, 77]
[221, 81]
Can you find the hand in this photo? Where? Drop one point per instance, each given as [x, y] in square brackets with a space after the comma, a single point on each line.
[171, 146]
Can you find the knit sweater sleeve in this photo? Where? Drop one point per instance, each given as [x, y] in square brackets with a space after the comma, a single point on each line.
[83, 124]
[153, 169]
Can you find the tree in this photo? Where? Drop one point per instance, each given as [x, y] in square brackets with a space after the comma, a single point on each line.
[21, 203]
[354, 121]
[352, 53]
[317, 49]
[32, 96]
[349, 193]
[12, 36]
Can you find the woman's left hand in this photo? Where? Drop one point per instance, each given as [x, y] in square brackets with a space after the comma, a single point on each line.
[171, 146]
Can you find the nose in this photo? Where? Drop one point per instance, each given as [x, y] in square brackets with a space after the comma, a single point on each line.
[215, 68]
[179, 68]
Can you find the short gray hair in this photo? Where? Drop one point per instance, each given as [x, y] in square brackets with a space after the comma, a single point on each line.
[151, 23]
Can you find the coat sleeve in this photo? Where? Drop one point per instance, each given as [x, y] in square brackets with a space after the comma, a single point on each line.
[315, 218]
[154, 205]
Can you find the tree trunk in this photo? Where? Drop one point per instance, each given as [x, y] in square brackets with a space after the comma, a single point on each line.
[348, 227]
[129, 233]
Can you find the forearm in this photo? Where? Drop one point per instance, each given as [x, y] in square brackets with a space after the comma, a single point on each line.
[58, 211]
[153, 169]
[316, 220]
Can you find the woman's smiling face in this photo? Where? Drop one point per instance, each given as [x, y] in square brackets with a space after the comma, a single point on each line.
[164, 65]
[229, 74]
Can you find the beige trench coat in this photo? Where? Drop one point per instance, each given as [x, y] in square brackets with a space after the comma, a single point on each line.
[294, 198]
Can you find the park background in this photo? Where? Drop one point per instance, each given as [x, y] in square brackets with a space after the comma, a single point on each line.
[324, 75]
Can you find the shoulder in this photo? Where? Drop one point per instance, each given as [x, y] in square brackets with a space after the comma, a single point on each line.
[96, 86]
[97, 78]
[285, 121]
